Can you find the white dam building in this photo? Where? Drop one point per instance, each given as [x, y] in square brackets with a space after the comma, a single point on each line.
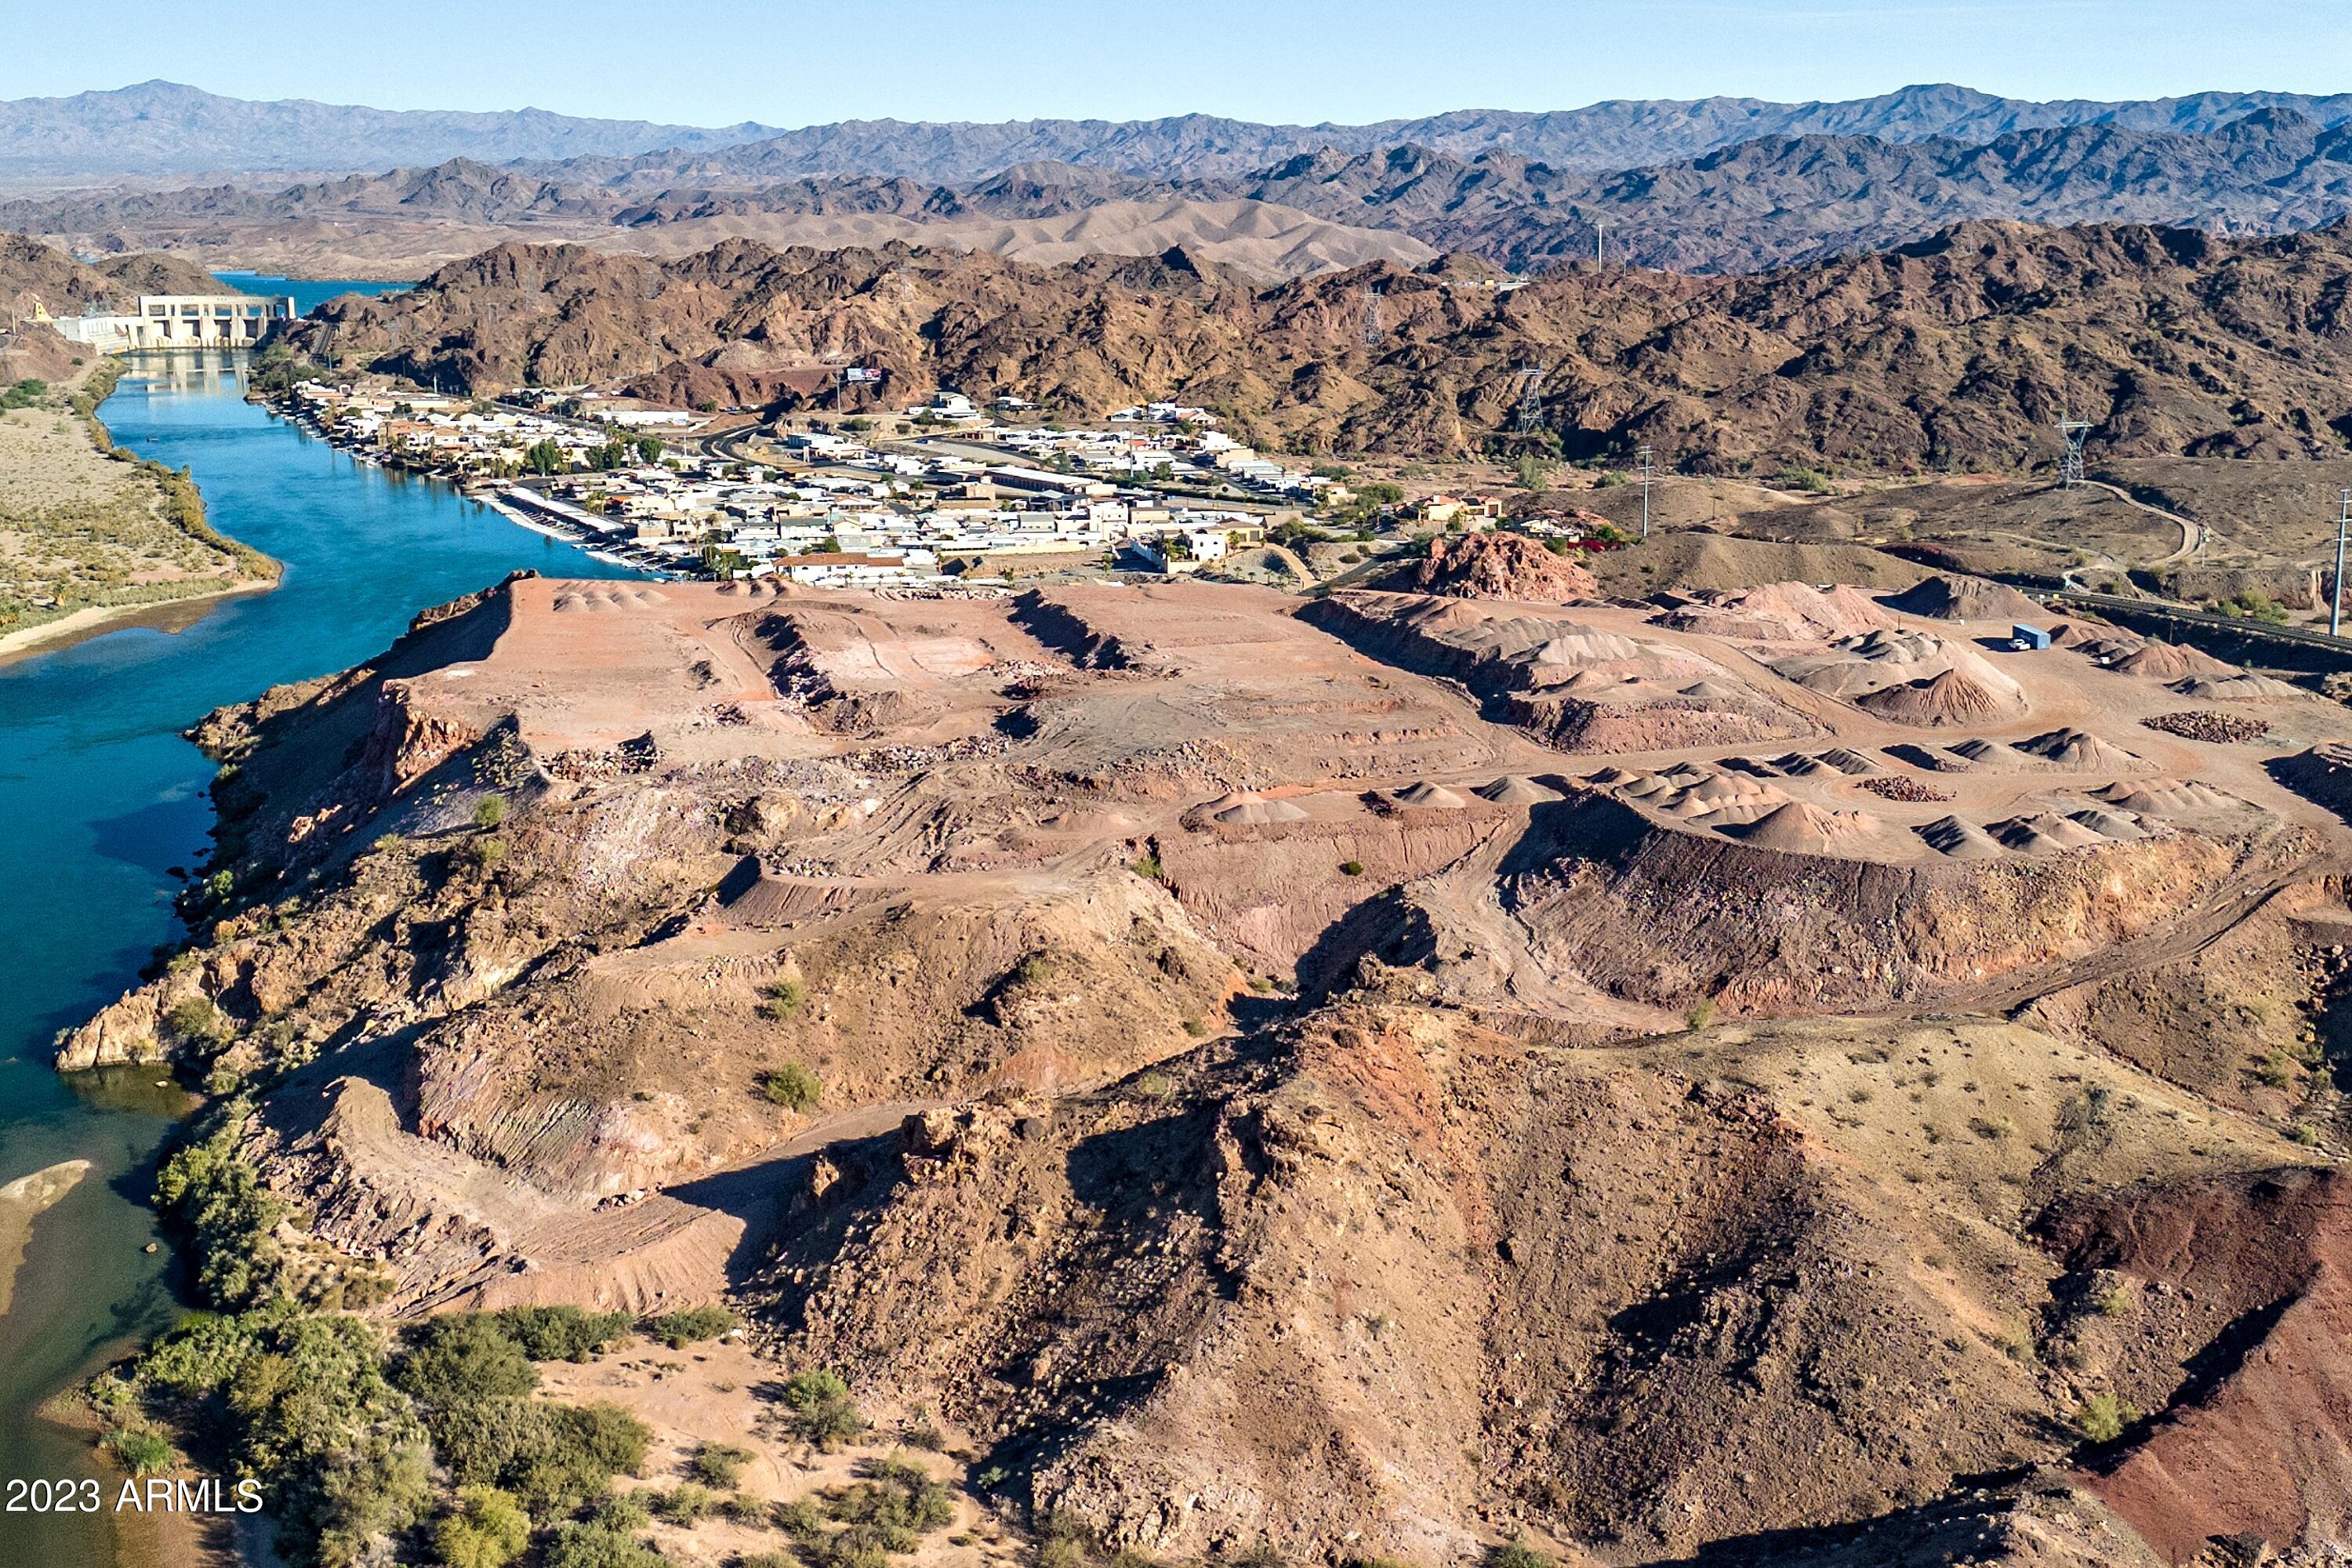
[180, 322]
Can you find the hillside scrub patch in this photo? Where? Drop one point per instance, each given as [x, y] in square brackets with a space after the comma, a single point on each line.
[823, 1413]
[792, 1086]
[781, 1000]
[678, 1329]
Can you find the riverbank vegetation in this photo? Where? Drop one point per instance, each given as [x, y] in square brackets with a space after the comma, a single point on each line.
[85, 525]
[434, 1441]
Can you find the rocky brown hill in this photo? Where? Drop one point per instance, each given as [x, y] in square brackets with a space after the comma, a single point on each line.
[31, 271]
[1957, 352]
[1269, 1092]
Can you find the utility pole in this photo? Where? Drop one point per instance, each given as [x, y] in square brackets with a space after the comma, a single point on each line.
[1599, 232]
[2343, 524]
[1646, 470]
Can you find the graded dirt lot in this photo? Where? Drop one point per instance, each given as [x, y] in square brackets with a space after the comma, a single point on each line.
[1372, 1075]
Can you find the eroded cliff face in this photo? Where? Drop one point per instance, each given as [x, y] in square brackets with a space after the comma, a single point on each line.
[1268, 1097]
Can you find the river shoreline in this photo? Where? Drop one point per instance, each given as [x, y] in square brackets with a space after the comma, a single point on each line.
[107, 799]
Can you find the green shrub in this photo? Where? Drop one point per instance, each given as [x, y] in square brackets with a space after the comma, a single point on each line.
[465, 1358]
[720, 1465]
[1700, 1013]
[199, 1022]
[489, 811]
[2101, 1417]
[801, 1519]
[487, 1529]
[209, 1191]
[822, 1412]
[678, 1329]
[686, 1504]
[1517, 1554]
[594, 1546]
[621, 1512]
[781, 1000]
[1147, 866]
[487, 854]
[141, 1450]
[198, 1356]
[1351, 867]
[2116, 1302]
[2306, 1134]
[792, 1086]
[564, 1333]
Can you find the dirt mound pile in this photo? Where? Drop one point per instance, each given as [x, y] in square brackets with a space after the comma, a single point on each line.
[1575, 685]
[1950, 700]
[1800, 828]
[1494, 565]
[2042, 833]
[1423, 796]
[1246, 808]
[2166, 661]
[1957, 598]
[2238, 688]
[1515, 790]
[1959, 840]
[2170, 798]
[2082, 752]
[1991, 756]
[1780, 612]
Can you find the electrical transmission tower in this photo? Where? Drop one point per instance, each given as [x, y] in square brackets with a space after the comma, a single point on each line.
[1529, 379]
[1646, 472]
[2070, 466]
[2343, 527]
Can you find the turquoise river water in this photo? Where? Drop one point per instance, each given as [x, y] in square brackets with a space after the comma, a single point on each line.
[100, 799]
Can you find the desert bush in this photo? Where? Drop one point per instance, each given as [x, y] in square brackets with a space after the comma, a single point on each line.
[1517, 1554]
[199, 1022]
[464, 1358]
[1147, 866]
[486, 1529]
[563, 1333]
[686, 1504]
[595, 1546]
[621, 1512]
[678, 1329]
[2103, 1417]
[783, 999]
[720, 1465]
[489, 811]
[823, 1413]
[792, 1086]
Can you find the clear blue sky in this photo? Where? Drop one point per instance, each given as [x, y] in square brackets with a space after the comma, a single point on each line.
[787, 62]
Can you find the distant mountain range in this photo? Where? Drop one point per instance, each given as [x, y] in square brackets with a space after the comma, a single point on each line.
[160, 128]
[1774, 201]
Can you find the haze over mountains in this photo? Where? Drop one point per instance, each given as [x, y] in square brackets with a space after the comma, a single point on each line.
[163, 128]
